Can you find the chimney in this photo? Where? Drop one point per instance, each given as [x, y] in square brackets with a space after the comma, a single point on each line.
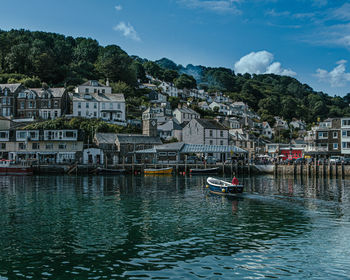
[107, 82]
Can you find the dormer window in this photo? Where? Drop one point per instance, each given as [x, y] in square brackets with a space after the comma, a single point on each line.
[86, 90]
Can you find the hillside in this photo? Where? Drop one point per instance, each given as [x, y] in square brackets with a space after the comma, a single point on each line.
[36, 57]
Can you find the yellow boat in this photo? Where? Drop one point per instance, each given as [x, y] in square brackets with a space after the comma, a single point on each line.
[152, 171]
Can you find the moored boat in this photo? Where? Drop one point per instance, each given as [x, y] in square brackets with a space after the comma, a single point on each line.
[213, 170]
[221, 187]
[101, 170]
[167, 170]
[8, 167]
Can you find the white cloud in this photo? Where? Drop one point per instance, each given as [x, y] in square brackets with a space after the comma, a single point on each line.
[118, 7]
[220, 6]
[337, 77]
[320, 3]
[261, 62]
[127, 30]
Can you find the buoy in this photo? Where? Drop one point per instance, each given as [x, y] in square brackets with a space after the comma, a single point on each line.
[207, 186]
[223, 190]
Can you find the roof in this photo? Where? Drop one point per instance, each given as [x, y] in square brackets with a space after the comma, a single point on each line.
[138, 139]
[106, 138]
[93, 83]
[11, 87]
[192, 148]
[170, 125]
[210, 124]
[56, 92]
[186, 110]
[99, 97]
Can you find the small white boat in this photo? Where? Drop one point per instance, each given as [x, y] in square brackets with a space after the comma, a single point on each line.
[221, 187]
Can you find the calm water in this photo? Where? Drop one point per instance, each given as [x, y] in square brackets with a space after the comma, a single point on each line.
[60, 227]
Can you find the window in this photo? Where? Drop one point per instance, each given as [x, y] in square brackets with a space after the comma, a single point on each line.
[79, 113]
[110, 105]
[95, 114]
[4, 101]
[103, 105]
[22, 134]
[335, 134]
[210, 133]
[35, 146]
[79, 105]
[95, 105]
[221, 133]
[346, 133]
[95, 90]
[87, 105]
[3, 146]
[56, 114]
[118, 106]
[335, 146]
[21, 146]
[62, 146]
[210, 142]
[221, 142]
[22, 105]
[3, 134]
[345, 122]
[56, 104]
[70, 134]
[103, 91]
[49, 146]
[87, 113]
[86, 90]
[346, 145]
[323, 135]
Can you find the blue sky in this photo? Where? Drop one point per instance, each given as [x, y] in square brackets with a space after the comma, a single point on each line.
[306, 39]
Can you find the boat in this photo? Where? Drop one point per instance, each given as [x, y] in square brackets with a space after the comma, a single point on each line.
[213, 170]
[9, 167]
[152, 171]
[221, 187]
[101, 170]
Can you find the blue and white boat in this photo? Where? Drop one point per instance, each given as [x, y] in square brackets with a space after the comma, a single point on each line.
[221, 187]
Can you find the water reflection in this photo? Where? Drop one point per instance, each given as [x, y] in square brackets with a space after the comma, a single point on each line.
[171, 227]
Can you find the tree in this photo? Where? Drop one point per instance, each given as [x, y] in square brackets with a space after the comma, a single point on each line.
[185, 81]
[170, 75]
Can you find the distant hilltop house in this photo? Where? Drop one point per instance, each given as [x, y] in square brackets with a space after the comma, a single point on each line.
[185, 114]
[203, 105]
[170, 89]
[266, 130]
[95, 100]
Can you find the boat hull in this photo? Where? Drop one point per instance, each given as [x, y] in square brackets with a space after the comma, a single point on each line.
[223, 188]
[158, 171]
[214, 170]
[16, 171]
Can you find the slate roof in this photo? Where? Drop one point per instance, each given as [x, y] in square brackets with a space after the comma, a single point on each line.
[56, 92]
[91, 84]
[106, 138]
[99, 97]
[11, 87]
[137, 139]
[170, 125]
[192, 148]
[187, 110]
[210, 124]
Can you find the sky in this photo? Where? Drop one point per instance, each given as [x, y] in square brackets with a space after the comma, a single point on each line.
[306, 39]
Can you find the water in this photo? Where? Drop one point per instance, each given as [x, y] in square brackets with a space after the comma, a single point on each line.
[135, 227]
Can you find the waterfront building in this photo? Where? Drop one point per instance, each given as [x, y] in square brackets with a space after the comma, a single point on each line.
[328, 137]
[41, 146]
[107, 143]
[345, 136]
[169, 130]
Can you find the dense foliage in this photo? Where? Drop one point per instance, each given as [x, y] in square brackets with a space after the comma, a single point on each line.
[87, 126]
[35, 57]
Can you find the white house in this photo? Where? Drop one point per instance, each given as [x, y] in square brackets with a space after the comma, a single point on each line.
[94, 100]
[222, 108]
[266, 130]
[203, 105]
[185, 114]
[345, 136]
[298, 124]
[169, 89]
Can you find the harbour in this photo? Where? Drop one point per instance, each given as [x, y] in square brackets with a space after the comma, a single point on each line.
[170, 227]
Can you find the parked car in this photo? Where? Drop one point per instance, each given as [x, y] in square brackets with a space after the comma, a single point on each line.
[335, 159]
[192, 159]
[210, 160]
[346, 160]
